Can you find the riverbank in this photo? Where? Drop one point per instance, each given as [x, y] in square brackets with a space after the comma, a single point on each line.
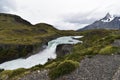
[99, 67]
[41, 57]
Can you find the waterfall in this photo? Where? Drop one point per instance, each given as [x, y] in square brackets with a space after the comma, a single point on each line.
[41, 57]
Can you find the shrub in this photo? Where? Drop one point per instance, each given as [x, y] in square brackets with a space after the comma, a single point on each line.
[11, 73]
[5, 74]
[1, 70]
[50, 66]
[37, 67]
[109, 50]
[74, 57]
[63, 68]
[18, 71]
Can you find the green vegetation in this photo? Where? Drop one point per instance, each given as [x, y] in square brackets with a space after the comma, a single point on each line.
[94, 42]
[109, 50]
[14, 32]
[13, 74]
[1, 70]
[50, 66]
[63, 68]
[18, 38]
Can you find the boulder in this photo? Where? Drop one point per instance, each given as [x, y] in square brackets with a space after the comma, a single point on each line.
[63, 49]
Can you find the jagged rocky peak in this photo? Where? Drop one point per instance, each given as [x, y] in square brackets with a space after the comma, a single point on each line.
[108, 18]
[108, 22]
[108, 15]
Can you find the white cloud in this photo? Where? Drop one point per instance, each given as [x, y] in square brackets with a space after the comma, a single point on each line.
[64, 14]
[68, 26]
[6, 5]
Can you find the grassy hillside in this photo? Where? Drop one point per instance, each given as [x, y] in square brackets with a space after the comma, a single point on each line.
[15, 30]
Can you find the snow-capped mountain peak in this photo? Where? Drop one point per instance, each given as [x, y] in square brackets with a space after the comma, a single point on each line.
[108, 22]
[108, 18]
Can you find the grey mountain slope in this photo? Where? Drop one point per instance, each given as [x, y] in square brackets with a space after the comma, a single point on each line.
[104, 23]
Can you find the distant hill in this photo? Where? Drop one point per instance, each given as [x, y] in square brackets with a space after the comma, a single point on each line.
[108, 22]
[13, 19]
[15, 30]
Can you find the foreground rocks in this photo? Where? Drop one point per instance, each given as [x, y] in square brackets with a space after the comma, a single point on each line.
[116, 43]
[99, 67]
[37, 75]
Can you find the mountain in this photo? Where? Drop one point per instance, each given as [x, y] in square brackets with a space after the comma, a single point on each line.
[108, 22]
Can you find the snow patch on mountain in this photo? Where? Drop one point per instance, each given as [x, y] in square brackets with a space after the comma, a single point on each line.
[108, 18]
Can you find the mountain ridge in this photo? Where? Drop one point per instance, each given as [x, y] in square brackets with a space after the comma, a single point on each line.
[15, 18]
[107, 22]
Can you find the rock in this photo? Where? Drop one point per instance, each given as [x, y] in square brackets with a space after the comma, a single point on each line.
[63, 49]
[37, 75]
[117, 75]
[116, 43]
[100, 67]
[14, 51]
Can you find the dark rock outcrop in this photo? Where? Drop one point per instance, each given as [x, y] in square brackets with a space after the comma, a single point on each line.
[14, 51]
[116, 43]
[10, 51]
[63, 49]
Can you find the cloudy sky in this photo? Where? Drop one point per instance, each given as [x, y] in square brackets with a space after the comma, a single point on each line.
[63, 14]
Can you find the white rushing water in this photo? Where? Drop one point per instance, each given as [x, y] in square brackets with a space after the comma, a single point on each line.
[41, 57]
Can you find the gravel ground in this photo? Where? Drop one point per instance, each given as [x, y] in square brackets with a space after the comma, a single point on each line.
[37, 75]
[99, 67]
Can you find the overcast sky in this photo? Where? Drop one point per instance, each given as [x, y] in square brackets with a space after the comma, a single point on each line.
[63, 14]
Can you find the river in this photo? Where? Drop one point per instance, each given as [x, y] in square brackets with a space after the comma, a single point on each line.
[41, 57]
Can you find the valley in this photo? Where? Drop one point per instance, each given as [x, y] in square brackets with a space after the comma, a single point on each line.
[21, 39]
